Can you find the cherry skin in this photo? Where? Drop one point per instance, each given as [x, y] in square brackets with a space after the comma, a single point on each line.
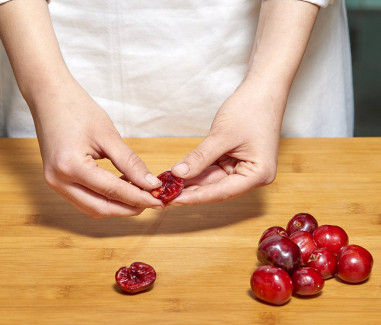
[354, 264]
[306, 243]
[302, 221]
[276, 230]
[280, 251]
[323, 260]
[307, 281]
[271, 284]
[330, 236]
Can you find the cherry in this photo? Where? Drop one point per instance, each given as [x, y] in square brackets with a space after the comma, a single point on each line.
[307, 281]
[271, 284]
[308, 254]
[280, 251]
[302, 221]
[306, 243]
[138, 277]
[323, 260]
[276, 230]
[330, 236]
[170, 188]
[354, 264]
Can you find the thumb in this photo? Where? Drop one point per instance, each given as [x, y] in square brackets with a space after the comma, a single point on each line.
[130, 164]
[204, 155]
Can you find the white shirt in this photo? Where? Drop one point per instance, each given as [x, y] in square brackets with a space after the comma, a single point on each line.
[163, 68]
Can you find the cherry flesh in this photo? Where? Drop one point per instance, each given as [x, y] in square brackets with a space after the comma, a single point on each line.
[281, 252]
[170, 188]
[323, 260]
[330, 236]
[271, 284]
[135, 278]
[302, 221]
[354, 264]
[307, 281]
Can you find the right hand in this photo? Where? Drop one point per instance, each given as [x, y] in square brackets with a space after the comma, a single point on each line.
[73, 132]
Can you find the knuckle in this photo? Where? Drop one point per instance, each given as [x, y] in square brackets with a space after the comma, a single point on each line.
[267, 175]
[136, 212]
[100, 212]
[112, 193]
[107, 211]
[222, 196]
[260, 175]
[135, 202]
[134, 161]
[62, 168]
[198, 155]
[51, 177]
[96, 215]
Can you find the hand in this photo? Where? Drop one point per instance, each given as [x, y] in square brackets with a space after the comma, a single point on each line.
[240, 151]
[74, 132]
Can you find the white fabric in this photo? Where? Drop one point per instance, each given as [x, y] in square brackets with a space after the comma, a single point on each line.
[320, 3]
[3, 1]
[163, 68]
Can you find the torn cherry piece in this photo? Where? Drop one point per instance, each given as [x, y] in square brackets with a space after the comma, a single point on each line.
[170, 188]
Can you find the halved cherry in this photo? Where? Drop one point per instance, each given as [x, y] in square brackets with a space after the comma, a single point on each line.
[135, 278]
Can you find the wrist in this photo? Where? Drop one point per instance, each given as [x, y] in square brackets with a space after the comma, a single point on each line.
[257, 88]
[40, 87]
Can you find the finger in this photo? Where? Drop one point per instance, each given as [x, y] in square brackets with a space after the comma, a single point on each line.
[130, 164]
[228, 187]
[212, 174]
[223, 166]
[97, 206]
[114, 188]
[204, 155]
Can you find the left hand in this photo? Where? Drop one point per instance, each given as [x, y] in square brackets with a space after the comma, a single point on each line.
[240, 151]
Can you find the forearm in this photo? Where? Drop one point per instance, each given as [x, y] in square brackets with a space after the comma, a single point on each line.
[31, 45]
[283, 31]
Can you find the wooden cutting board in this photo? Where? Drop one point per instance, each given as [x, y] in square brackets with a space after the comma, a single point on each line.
[57, 265]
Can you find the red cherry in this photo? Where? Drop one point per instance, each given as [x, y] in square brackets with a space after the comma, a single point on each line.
[307, 281]
[138, 277]
[276, 230]
[302, 221]
[354, 264]
[306, 243]
[281, 252]
[323, 260]
[271, 284]
[330, 236]
[171, 187]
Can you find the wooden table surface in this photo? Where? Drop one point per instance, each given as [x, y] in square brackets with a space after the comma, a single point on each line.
[57, 265]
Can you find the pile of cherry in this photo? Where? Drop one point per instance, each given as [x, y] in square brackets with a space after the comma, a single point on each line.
[297, 260]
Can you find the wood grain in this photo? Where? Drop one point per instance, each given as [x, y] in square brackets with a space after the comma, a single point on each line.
[57, 266]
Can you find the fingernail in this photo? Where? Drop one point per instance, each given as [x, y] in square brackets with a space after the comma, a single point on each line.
[158, 207]
[182, 168]
[153, 180]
